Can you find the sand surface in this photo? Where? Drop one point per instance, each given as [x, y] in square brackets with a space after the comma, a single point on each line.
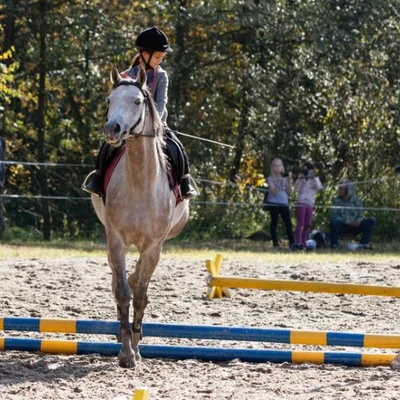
[81, 288]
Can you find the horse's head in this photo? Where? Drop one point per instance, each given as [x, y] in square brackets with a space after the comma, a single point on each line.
[126, 107]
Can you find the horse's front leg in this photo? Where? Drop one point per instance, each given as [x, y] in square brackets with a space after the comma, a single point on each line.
[122, 294]
[141, 279]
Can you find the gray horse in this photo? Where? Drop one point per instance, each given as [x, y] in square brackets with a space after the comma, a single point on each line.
[140, 208]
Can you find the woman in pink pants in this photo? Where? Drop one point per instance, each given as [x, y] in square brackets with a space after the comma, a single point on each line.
[307, 185]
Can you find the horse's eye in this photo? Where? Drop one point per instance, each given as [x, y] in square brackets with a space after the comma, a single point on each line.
[137, 102]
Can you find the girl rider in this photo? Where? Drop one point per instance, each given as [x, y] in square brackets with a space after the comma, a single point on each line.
[152, 44]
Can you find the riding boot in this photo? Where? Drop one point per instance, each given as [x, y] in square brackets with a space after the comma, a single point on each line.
[93, 183]
[187, 190]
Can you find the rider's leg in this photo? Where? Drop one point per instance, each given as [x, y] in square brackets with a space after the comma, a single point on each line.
[187, 190]
[93, 183]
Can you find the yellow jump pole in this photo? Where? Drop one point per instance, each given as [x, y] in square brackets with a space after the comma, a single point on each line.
[218, 285]
[304, 286]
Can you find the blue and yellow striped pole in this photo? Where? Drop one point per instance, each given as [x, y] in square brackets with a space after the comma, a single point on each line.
[212, 332]
[59, 325]
[201, 353]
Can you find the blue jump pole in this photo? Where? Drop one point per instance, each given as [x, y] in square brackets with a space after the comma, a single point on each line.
[215, 354]
[212, 332]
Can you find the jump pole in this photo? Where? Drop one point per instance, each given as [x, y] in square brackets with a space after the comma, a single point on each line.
[216, 354]
[211, 332]
[217, 285]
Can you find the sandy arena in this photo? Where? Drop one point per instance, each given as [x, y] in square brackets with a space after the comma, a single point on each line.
[81, 288]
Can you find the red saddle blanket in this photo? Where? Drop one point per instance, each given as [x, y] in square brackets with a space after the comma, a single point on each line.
[170, 176]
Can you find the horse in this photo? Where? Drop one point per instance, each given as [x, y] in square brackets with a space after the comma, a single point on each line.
[139, 209]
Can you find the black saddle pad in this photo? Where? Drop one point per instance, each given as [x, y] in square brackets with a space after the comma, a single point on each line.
[106, 156]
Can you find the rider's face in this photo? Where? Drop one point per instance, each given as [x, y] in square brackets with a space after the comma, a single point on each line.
[155, 60]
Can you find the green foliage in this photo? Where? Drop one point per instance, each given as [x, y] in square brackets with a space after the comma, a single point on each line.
[24, 234]
[7, 77]
[291, 79]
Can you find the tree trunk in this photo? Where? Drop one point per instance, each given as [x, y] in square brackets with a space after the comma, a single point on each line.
[244, 122]
[180, 67]
[244, 119]
[41, 121]
[9, 28]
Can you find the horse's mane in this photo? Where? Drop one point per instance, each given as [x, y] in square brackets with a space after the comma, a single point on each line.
[157, 126]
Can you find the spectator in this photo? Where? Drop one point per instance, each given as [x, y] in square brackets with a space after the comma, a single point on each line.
[307, 185]
[279, 189]
[347, 216]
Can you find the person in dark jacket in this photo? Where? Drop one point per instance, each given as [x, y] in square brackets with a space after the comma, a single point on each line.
[347, 216]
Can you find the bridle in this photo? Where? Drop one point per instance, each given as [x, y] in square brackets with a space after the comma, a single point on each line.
[145, 105]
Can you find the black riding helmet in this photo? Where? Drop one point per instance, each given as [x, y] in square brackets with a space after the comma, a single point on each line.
[153, 39]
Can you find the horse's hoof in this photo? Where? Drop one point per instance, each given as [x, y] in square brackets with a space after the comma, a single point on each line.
[127, 362]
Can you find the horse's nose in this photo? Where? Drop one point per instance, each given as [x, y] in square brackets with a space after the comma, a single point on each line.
[112, 127]
[112, 130]
[117, 129]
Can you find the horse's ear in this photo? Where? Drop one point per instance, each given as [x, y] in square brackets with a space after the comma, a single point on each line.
[141, 76]
[114, 75]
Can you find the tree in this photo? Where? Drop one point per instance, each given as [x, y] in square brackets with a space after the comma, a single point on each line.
[289, 79]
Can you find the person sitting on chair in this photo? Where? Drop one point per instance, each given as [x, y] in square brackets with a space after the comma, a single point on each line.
[347, 216]
[152, 44]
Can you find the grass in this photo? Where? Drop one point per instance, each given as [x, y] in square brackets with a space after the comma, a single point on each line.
[195, 250]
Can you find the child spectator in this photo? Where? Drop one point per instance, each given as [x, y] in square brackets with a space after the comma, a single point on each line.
[279, 189]
[307, 185]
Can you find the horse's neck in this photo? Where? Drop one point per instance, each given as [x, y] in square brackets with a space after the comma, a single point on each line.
[143, 164]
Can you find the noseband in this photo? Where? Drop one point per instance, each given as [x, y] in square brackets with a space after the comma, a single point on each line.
[146, 100]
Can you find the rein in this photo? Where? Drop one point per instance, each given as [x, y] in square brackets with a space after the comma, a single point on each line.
[146, 100]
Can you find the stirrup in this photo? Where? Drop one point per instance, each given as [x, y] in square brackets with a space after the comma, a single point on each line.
[88, 187]
[191, 194]
[192, 191]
